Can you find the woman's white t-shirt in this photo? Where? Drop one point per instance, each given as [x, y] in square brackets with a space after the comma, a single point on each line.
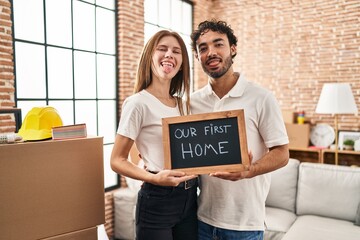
[141, 120]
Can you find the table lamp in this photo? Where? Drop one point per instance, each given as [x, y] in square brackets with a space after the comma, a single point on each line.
[336, 99]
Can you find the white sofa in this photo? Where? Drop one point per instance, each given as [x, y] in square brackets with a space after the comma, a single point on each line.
[306, 201]
[310, 201]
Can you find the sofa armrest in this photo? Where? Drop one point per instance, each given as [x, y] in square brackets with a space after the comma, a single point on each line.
[282, 193]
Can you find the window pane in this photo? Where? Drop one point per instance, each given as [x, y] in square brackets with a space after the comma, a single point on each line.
[60, 73]
[85, 112]
[151, 11]
[29, 20]
[176, 10]
[84, 73]
[65, 109]
[106, 4]
[30, 70]
[107, 120]
[58, 23]
[75, 65]
[26, 106]
[105, 31]
[111, 178]
[84, 26]
[165, 15]
[150, 30]
[106, 76]
[186, 18]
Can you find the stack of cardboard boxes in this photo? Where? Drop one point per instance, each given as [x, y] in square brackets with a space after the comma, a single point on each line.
[298, 133]
[52, 190]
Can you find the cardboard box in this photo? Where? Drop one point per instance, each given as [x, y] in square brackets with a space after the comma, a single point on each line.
[86, 234]
[289, 116]
[299, 135]
[49, 188]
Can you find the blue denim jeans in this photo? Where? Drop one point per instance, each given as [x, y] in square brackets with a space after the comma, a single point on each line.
[208, 232]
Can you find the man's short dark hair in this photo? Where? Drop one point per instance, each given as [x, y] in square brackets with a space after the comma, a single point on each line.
[215, 26]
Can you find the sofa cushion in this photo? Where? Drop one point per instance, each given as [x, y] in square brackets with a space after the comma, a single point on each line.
[282, 192]
[328, 190]
[124, 213]
[277, 221]
[317, 228]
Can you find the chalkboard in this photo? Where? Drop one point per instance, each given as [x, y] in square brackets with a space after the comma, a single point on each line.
[206, 143]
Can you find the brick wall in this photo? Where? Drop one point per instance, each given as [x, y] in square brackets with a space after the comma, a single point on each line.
[130, 41]
[7, 121]
[293, 48]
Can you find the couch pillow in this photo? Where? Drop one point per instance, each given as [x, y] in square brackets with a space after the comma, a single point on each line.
[283, 186]
[124, 213]
[328, 190]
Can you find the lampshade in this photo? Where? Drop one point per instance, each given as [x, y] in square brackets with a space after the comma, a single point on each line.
[336, 98]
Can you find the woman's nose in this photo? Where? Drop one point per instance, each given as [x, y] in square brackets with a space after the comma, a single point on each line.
[168, 54]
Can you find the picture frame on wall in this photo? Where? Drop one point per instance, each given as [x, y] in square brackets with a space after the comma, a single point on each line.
[346, 135]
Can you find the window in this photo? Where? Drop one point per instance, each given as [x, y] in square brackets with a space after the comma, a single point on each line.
[66, 58]
[175, 15]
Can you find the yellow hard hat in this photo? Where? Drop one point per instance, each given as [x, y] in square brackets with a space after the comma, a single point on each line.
[38, 123]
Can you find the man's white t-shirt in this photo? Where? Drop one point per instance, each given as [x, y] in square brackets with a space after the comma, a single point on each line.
[240, 205]
[141, 121]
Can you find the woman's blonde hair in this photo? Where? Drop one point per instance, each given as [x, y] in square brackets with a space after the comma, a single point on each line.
[180, 83]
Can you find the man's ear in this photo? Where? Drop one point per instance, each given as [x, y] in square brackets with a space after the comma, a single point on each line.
[233, 50]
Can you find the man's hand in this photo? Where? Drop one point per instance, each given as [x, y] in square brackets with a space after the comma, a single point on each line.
[232, 176]
[235, 176]
[276, 158]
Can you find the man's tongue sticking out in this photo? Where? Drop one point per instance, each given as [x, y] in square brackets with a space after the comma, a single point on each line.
[213, 63]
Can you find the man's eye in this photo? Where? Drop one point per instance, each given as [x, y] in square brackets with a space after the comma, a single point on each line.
[202, 50]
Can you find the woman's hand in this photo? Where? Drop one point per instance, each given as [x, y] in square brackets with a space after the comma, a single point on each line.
[170, 178]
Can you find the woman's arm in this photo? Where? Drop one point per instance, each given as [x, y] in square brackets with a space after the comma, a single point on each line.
[120, 164]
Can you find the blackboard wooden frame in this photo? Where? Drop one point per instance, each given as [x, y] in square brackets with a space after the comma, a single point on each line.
[241, 160]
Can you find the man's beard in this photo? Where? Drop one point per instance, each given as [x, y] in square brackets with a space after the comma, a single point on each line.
[222, 71]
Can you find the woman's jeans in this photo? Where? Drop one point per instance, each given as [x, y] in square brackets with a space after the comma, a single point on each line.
[166, 213]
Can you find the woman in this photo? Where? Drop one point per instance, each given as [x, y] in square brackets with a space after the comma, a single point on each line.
[166, 209]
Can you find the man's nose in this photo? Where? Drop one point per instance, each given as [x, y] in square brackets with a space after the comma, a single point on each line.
[211, 51]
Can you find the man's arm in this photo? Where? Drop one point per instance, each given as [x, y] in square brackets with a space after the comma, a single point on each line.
[276, 158]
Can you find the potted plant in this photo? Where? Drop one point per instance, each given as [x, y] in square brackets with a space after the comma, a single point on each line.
[348, 144]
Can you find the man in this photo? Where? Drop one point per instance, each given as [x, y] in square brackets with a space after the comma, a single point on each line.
[232, 204]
